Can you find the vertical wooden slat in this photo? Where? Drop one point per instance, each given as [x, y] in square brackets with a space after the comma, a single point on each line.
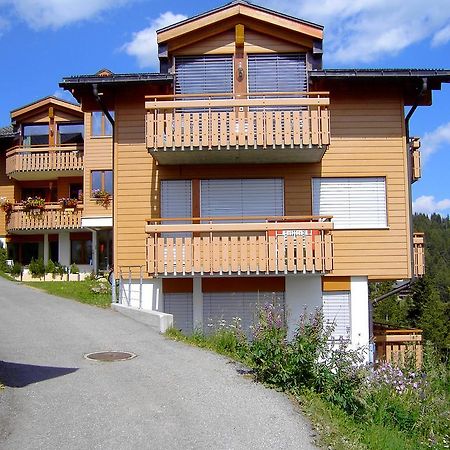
[197, 255]
[309, 253]
[195, 130]
[290, 253]
[243, 247]
[187, 129]
[177, 130]
[169, 256]
[169, 130]
[318, 261]
[205, 130]
[234, 254]
[278, 128]
[216, 257]
[179, 257]
[300, 250]
[151, 255]
[306, 134]
[241, 129]
[314, 127]
[214, 129]
[223, 129]
[206, 255]
[281, 249]
[225, 250]
[324, 124]
[272, 253]
[251, 129]
[328, 252]
[287, 128]
[253, 254]
[269, 128]
[297, 130]
[188, 254]
[160, 130]
[161, 258]
[232, 128]
[262, 254]
[260, 141]
[150, 130]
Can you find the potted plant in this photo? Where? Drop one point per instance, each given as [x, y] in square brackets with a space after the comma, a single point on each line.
[102, 197]
[7, 207]
[68, 204]
[34, 205]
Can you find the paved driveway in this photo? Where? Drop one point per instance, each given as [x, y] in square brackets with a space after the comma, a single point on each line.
[171, 396]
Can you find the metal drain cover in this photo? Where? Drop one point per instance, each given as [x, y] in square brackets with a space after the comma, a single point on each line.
[110, 356]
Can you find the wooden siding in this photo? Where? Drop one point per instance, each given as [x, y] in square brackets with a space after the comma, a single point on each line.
[367, 140]
[97, 156]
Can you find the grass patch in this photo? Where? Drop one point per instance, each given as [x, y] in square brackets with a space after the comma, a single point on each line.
[89, 292]
[7, 276]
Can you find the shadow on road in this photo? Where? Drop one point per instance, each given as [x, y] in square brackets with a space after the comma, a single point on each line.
[20, 375]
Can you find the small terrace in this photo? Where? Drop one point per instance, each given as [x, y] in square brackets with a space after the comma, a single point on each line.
[228, 128]
[249, 246]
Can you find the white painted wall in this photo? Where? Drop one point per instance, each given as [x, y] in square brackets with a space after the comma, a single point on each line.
[2, 241]
[152, 297]
[301, 293]
[64, 248]
[359, 311]
[197, 303]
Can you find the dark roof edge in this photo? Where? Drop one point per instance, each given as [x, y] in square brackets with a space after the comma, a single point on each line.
[240, 2]
[115, 78]
[380, 73]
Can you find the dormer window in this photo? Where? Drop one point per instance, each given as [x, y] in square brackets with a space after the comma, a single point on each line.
[35, 135]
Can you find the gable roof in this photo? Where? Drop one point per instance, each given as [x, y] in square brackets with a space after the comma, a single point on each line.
[46, 101]
[244, 9]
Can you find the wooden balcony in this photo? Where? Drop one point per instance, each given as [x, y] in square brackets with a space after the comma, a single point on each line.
[275, 245]
[419, 254]
[53, 217]
[44, 162]
[416, 169]
[226, 128]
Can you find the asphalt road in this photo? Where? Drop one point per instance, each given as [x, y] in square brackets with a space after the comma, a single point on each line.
[171, 396]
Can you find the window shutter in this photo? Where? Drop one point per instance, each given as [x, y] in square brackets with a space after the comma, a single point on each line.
[207, 74]
[242, 197]
[277, 73]
[180, 306]
[226, 306]
[176, 199]
[353, 202]
[336, 311]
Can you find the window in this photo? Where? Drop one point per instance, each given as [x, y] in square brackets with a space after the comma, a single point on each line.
[353, 202]
[206, 74]
[102, 180]
[76, 191]
[81, 251]
[70, 133]
[242, 197]
[277, 73]
[101, 126]
[35, 135]
[336, 312]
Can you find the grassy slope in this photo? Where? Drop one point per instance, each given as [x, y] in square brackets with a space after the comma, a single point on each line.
[80, 291]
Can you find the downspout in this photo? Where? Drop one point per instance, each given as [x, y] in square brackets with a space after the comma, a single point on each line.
[413, 279]
[105, 111]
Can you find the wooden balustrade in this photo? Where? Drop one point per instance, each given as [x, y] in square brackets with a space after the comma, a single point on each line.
[419, 254]
[416, 169]
[240, 123]
[66, 158]
[239, 248]
[53, 217]
[398, 347]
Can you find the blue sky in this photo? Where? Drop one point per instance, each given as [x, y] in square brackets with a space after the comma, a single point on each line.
[43, 40]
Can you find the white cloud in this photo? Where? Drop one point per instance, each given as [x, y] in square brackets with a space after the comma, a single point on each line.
[427, 204]
[434, 140]
[41, 14]
[143, 45]
[364, 30]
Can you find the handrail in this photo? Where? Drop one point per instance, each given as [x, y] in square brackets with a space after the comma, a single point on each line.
[48, 206]
[236, 95]
[40, 147]
[224, 218]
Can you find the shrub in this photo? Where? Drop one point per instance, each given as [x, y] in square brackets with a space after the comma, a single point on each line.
[16, 270]
[37, 268]
[3, 257]
[74, 268]
[50, 268]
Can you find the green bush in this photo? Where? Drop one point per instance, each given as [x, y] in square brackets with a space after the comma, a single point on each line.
[37, 268]
[50, 268]
[74, 268]
[3, 258]
[16, 270]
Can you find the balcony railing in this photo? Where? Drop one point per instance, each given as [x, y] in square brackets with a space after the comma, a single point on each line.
[230, 128]
[211, 246]
[416, 169]
[65, 160]
[53, 217]
[419, 254]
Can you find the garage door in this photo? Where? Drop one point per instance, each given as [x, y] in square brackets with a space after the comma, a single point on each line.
[180, 306]
[225, 307]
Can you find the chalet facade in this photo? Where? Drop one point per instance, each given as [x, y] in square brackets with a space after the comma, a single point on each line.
[244, 172]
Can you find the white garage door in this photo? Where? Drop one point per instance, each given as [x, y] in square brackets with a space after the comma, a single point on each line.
[226, 306]
[180, 306]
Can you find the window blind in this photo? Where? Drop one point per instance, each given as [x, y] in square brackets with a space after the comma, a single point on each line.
[353, 202]
[336, 312]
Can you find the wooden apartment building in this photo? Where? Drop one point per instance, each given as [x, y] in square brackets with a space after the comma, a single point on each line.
[244, 172]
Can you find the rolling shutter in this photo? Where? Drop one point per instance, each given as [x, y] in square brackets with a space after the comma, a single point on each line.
[226, 306]
[206, 74]
[180, 306]
[277, 73]
[176, 201]
[336, 311]
[242, 197]
[353, 202]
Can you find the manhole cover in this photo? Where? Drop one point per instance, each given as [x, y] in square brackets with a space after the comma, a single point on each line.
[110, 356]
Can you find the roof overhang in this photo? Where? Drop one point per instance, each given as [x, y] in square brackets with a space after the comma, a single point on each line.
[44, 103]
[414, 83]
[240, 10]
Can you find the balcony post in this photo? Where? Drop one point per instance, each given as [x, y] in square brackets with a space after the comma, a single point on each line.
[64, 248]
[46, 249]
[197, 303]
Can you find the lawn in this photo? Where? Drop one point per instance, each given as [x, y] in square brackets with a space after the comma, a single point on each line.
[90, 292]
